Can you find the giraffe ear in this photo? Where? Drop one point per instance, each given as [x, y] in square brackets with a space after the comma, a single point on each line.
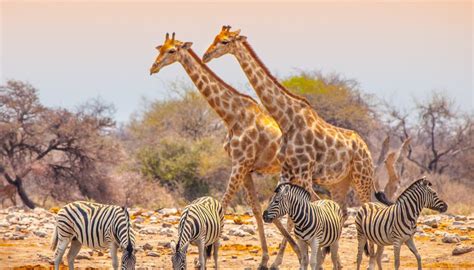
[158, 47]
[242, 38]
[187, 45]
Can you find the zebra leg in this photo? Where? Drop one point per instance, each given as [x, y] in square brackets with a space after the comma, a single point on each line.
[314, 253]
[201, 265]
[257, 212]
[378, 256]
[281, 251]
[216, 255]
[412, 247]
[113, 254]
[336, 263]
[304, 254]
[362, 241]
[58, 255]
[73, 251]
[372, 255]
[396, 251]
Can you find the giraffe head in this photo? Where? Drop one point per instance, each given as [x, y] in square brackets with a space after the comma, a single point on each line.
[171, 51]
[224, 43]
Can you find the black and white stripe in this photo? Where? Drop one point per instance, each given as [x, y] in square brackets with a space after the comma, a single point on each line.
[200, 224]
[96, 226]
[317, 224]
[395, 224]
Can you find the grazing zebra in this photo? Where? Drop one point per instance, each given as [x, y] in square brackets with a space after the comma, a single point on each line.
[96, 226]
[395, 224]
[317, 224]
[200, 224]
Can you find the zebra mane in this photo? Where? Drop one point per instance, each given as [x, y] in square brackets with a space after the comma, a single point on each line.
[299, 188]
[414, 185]
[180, 234]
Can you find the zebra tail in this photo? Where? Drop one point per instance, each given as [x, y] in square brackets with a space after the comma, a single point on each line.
[208, 251]
[54, 239]
[326, 250]
[366, 249]
[381, 197]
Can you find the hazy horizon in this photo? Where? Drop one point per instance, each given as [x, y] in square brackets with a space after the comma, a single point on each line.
[76, 51]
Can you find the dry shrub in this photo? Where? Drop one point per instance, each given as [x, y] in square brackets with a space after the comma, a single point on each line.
[457, 194]
[137, 191]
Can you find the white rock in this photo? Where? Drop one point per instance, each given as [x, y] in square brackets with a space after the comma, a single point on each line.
[462, 249]
[451, 238]
[149, 230]
[432, 221]
[247, 229]
[40, 233]
[238, 232]
[168, 211]
[166, 231]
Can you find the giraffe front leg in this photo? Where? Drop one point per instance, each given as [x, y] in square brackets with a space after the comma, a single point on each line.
[281, 251]
[239, 171]
[257, 211]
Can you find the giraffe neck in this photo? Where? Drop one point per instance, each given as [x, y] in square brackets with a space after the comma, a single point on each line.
[220, 96]
[279, 102]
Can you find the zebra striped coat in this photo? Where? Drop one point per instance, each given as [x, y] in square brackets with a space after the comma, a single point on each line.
[96, 226]
[396, 224]
[201, 224]
[318, 224]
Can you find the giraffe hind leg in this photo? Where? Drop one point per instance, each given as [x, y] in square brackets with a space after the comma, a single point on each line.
[257, 211]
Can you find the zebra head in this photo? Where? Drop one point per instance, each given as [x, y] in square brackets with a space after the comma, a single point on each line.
[432, 201]
[178, 258]
[278, 205]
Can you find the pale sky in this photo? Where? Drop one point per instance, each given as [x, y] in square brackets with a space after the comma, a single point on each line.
[74, 51]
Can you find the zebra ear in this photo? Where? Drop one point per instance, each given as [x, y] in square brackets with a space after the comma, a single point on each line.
[173, 246]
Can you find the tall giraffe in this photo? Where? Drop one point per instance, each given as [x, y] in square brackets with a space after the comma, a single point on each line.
[253, 138]
[313, 150]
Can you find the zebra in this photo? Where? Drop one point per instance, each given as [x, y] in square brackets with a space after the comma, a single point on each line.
[200, 224]
[96, 226]
[395, 224]
[317, 224]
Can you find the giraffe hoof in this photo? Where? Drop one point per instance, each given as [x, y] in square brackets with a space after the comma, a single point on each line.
[262, 268]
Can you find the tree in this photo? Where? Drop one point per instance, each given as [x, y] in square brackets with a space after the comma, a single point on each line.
[440, 133]
[337, 100]
[62, 145]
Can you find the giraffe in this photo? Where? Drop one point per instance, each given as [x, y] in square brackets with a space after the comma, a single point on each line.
[253, 137]
[313, 150]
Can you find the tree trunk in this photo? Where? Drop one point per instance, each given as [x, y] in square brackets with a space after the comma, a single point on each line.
[18, 183]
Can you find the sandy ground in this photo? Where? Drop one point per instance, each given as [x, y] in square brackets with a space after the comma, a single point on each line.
[236, 252]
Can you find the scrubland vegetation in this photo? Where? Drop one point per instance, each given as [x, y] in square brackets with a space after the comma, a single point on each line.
[170, 151]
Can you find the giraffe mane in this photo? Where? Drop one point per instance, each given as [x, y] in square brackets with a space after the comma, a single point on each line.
[274, 80]
[214, 75]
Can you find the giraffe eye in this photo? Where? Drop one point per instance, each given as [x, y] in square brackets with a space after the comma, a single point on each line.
[225, 42]
[172, 51]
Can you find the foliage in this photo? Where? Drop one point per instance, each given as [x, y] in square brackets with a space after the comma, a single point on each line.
[337, 100]
[54, 145]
